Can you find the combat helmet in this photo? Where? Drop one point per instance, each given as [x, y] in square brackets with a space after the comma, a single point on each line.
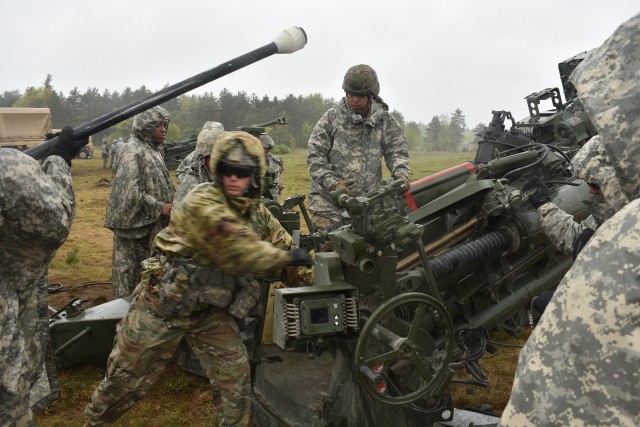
[242, 151]
[267, 141]
[207, 137]
[361, 80]
[591, 163]
[144, 123]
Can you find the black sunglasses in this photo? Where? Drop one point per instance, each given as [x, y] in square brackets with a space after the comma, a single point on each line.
[594, 186]
[239, 171]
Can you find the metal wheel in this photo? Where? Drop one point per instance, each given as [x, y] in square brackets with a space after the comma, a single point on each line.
[405, 348]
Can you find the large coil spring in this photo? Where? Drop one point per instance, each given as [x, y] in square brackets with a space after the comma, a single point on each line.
[463, 255]
[292, 320]
[351, 312]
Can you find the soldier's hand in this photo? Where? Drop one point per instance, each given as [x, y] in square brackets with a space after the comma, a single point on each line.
[166, 209]
[300, 257]
[541, 195]
[345, 185]
[405, 181]
[67, 146]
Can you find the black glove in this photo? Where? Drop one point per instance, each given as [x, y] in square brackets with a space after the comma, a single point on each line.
[67, 146]
[581, 241]
[542, 194]
[300, 257]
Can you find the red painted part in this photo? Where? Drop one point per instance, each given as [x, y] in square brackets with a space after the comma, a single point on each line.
[409, 197]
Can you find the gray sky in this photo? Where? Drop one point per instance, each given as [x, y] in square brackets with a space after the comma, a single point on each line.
[431, 57]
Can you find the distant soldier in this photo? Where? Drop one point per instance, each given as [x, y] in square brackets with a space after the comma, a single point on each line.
[220, 236]
[189, 163]
[112, 153]
[141, 195]
[199, 170]
[581, 364]
[105, 153]
[37, 207]
[348, 142]
[275, 168]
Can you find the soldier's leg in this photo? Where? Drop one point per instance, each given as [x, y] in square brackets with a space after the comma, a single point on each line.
[18, 324]
[125, 265]
[143, 346]
[217, 343]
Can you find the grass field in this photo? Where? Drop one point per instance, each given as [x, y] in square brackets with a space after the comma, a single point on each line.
[83, 266]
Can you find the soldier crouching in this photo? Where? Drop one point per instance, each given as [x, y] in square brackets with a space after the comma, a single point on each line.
[219, 237]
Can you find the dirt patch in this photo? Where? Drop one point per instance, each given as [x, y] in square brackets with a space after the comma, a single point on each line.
[92, 293]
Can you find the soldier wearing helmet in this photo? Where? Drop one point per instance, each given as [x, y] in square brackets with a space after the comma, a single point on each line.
[195, 169]
[220, 237]
[580, 364]
[348, 142]
[275, 168]
[140, 201]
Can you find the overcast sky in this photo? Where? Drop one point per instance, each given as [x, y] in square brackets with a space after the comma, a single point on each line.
[431, 57]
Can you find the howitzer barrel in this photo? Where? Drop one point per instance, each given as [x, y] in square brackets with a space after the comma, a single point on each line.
[288, 41]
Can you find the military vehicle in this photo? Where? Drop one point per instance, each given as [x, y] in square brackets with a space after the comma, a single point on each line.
[401, 304]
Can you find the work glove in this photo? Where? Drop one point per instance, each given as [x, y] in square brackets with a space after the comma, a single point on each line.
[541, 196]
[405, 181]
[300, 257]
[66, 145]
[345, 185]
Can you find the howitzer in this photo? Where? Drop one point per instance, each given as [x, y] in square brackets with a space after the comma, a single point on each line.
[288, 41]
[417, 277]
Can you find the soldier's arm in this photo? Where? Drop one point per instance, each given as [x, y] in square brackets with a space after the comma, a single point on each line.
[560, 227]
[395, 148]
[320, 145]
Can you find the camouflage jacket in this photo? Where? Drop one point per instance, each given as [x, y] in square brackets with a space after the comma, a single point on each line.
[37, 207]
[141, 186]
[219, 234]
[344, 146]
[581, 363]
[560, 227]
[275, 170]
[194, 173]
[185, 167]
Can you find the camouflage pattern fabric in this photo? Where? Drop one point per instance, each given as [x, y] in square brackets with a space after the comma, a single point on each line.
[146, 341]
[140, 187]
[580, 364]
[193, 169]
[591, 165]
[212, 237]
[344, 146]
[275, 172]
[37, 207]
[560, 227]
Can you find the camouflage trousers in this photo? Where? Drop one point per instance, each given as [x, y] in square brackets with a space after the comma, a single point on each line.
[21, 353]
[145, 342]
[128, 253]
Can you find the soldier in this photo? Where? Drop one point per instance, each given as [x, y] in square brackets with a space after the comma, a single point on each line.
[348, 142]
[591, 165]
[193, 167]
[105, 153]
[209, 250]
[112, 153]
[140, 201]
[37, 207]
[275, 167]
[581, 363]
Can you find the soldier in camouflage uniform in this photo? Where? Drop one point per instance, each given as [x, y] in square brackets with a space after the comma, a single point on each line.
[581, 365]
[192, 165]
[37, 207]
[275, 167]
[220, 235]
[195, 167]
[348, 142]
[140, 201]
[591, 165]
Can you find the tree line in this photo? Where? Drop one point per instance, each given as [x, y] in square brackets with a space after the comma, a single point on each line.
[446, 132]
